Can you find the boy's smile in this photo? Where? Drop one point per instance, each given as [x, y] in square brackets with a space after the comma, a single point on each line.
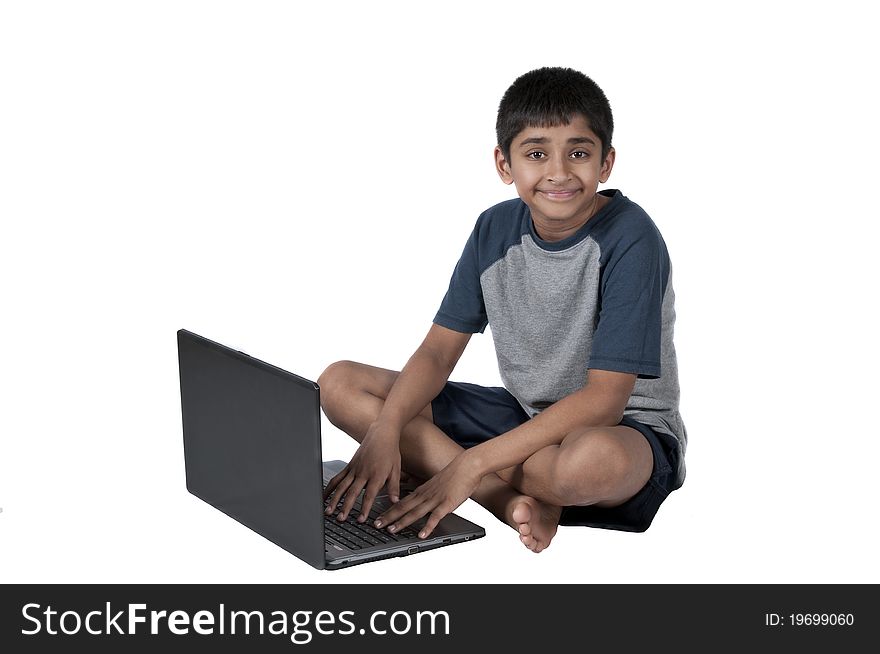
[557, 171]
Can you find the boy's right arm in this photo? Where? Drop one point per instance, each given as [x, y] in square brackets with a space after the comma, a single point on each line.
[377, 460]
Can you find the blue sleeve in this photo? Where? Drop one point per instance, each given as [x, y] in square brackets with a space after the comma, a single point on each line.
[463, 309]
[633, 283]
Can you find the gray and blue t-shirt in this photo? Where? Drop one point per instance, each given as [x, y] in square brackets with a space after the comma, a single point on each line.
[601, 298]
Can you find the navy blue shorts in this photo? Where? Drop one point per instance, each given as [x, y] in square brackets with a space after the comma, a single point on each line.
[471, 414]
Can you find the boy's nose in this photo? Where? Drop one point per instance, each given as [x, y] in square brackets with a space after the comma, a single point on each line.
[558, 171]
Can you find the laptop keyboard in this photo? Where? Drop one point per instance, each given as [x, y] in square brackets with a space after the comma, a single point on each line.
[358, 535]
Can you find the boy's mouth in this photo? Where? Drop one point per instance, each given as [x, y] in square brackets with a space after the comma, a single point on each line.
[559, 194]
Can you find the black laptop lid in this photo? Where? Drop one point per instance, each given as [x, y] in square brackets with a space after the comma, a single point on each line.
[252, 443]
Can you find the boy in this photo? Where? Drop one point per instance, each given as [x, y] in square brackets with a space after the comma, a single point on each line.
[576, 285]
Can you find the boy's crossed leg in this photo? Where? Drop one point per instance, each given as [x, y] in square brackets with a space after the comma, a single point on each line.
[601, 466]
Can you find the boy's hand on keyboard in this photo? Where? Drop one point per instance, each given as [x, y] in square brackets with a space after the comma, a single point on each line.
[437, 497]
[376, 462]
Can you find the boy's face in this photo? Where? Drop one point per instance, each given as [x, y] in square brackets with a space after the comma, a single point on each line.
[557, 171]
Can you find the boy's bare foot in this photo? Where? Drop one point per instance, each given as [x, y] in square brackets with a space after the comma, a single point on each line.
[535, 521]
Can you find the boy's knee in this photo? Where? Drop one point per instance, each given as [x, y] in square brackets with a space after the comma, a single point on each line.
[591, 467]
[335, 380]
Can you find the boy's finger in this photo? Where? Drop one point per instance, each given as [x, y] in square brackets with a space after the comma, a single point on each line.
[410, 517]
[394, 485]
[351, 496]
[370, 493]
[337, 495]
[396, 511]
[432, 522]
[333, 483]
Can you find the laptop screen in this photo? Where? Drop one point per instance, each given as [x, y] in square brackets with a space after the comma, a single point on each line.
[252, 443]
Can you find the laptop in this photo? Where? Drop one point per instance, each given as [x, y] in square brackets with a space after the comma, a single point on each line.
[252, 448]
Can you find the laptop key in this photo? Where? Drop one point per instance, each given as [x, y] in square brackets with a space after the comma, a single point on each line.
[371, 539]
[342, 536]
[350, 542]
[382, 536]
[330, 525]
[354, 533]
[335, 544]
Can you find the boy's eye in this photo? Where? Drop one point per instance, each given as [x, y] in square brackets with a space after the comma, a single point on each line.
[579, 154]
[537, 154]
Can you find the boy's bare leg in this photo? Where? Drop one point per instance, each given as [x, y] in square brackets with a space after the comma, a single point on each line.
[352, 396]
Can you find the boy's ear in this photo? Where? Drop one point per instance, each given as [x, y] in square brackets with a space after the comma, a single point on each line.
[607, 165]
[502, 166]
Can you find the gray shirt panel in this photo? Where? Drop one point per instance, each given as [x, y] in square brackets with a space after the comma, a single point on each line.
[538, 304]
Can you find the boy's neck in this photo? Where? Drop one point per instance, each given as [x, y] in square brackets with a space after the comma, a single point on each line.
[553, 231]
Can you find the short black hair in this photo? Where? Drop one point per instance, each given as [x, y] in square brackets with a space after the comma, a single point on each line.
[548, 97]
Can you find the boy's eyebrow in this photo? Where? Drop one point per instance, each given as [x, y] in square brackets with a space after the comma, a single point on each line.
[543, 139]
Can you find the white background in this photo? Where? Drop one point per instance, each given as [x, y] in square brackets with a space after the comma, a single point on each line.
[297, 180]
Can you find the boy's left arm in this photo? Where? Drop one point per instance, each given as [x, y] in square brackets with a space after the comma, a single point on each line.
[599, 403]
